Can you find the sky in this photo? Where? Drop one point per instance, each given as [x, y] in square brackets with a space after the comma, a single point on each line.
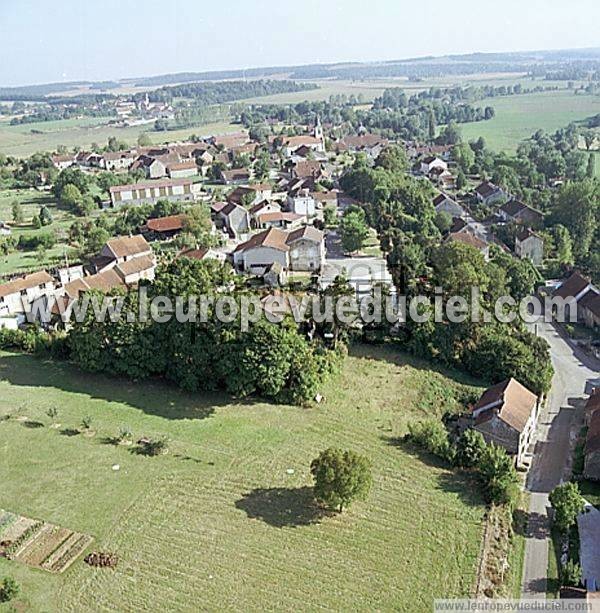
[71, 40]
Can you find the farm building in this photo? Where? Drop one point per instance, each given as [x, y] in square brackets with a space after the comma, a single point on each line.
[506, 415]
[151, 192]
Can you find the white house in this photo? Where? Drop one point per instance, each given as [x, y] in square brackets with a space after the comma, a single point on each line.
[302, 249]
[62, 161]
[443, 203]
[179, 170]
[17, 296]
[301, 202]
[487, 193]
[431, 162]
[126, 248]
[234, 218]
[117, 160]
[576, 290]
[530, 246]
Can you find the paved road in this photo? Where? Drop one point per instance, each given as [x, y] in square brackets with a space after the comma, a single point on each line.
[575, 375]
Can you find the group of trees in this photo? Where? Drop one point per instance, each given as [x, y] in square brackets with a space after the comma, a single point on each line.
[72, 189]
[493, 466]
[400, 208]
[270, 360]
[208, 93]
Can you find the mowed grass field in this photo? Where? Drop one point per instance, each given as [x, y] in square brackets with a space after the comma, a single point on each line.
[518, 117]
[224, 521]
[22, 142]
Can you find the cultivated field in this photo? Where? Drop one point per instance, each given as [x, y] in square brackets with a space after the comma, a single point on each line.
[224, 520]
[47, 136]
[518, 117]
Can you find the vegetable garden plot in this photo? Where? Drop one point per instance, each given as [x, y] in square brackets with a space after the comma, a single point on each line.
[40, 544]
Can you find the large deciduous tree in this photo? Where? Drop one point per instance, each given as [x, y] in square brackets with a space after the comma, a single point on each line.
[341, 477]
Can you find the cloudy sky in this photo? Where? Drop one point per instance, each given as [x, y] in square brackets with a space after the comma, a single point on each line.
[42, 41]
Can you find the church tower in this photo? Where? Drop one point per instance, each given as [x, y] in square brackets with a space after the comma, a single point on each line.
[319, 129]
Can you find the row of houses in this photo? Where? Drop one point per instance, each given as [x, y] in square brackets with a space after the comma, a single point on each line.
[528, 243]
[122, 262]
[175, 161]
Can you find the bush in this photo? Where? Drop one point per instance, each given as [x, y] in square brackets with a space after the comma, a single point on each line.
[571, 574]
[154, 447]
[469, 448]
[9, 589]
[33, 340]
[432, 436]
[341, 477]
[498, 475]
[568, 503]
[31, 243]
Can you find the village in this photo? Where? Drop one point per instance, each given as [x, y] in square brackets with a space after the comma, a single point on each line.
[360, 461]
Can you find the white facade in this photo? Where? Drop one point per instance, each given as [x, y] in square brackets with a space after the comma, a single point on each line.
[302, 205]
[428, 165]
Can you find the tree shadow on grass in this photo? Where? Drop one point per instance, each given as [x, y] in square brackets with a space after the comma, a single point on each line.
[69, 432]
[282, 507]
[413, 450]
[34, 425]
[394, 354]
[153, 396]
[450, 480]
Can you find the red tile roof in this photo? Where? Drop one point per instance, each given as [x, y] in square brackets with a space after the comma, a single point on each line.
[27, 282]
[167, 224]
[511, 400]
[128, 245]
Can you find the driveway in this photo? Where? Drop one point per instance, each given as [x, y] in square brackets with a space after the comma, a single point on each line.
[575, 375]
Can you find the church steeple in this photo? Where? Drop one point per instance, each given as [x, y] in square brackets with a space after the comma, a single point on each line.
[318, 129]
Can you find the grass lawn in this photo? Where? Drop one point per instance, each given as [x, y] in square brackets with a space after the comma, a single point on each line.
[224, 520]
[554, 553]
[31, 200]
[518, 117]
[516, 557]
[371, 246]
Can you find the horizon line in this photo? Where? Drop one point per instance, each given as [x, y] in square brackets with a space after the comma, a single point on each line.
[125, 80]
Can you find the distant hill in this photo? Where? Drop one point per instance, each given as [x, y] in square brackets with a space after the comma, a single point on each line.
[423, 67]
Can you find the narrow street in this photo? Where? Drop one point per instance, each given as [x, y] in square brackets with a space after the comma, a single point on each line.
[575, 374]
